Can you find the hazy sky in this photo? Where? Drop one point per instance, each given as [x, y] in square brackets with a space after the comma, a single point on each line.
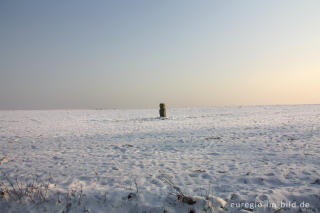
[138, 53]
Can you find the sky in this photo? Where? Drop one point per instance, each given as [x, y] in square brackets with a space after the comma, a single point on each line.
[79, 54]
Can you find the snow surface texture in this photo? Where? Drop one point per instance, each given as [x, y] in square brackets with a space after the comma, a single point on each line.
[132, 161]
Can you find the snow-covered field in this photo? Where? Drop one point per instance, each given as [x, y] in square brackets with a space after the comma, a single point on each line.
[226, 159]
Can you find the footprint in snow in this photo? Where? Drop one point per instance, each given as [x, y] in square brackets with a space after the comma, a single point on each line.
[127, 145]
[213, 154]
[317, 181]
[206, 176]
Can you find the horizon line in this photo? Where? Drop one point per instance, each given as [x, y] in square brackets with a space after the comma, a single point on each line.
[148, 108]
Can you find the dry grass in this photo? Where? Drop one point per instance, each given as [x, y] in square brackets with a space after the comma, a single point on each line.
[177, 193]
[14, 189]
[39, 192]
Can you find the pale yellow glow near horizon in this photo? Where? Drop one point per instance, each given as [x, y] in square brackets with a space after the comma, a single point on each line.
[292, 81]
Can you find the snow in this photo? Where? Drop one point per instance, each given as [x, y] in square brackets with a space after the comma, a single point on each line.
[224, 158]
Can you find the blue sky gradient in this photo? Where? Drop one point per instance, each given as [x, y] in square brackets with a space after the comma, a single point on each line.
[135, 54]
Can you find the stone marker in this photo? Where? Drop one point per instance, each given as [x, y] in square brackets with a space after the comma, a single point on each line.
[162, 110]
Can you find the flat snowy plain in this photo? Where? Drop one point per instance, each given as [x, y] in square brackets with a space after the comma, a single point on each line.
[226, 159]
